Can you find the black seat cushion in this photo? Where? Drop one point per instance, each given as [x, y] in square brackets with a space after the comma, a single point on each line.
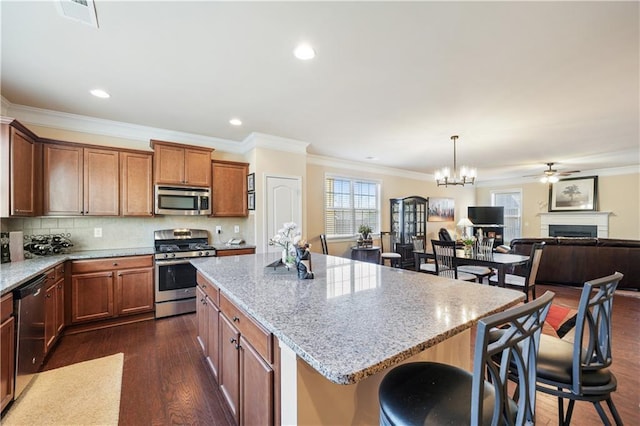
[431, 393]
[555, 361]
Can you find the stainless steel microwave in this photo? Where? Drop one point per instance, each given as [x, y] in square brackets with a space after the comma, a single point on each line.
[183, 201]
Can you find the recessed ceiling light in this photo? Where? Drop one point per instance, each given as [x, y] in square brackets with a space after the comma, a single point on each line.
[99, 93]
[235, 122]
[371, 158]
[304, 52]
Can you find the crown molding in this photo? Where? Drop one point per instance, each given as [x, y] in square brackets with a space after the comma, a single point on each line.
[613, 171]
[277, 143]
[339, 163]
[99, 126]
[4, 106]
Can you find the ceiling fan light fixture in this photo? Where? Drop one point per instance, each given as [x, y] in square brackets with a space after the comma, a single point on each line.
[553, 179]
[446, 177]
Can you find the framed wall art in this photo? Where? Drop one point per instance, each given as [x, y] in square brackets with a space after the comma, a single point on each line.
[251, 200]
[574, 194]
[251, 182]
[440, 210]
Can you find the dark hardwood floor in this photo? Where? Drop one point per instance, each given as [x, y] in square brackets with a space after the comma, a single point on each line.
[166, 381]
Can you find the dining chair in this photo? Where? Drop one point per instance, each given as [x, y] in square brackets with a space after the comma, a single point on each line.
[418, 245]
[446, 261]
[433, 393]
[443, 235]
[483, 249]
[527, 281]
[393, 257]
[323, 244]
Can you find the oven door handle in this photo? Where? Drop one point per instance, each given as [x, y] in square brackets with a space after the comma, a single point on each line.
[171, 262]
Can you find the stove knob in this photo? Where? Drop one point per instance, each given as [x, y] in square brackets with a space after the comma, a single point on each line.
[200, 253]
[206, 253]
[173, 255]
[166, 255]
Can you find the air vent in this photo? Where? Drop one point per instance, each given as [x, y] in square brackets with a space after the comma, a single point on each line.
[79, 10]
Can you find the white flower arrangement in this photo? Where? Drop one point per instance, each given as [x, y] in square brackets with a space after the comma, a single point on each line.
[287, 237]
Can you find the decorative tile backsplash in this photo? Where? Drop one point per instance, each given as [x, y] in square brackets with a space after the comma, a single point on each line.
[125, 232]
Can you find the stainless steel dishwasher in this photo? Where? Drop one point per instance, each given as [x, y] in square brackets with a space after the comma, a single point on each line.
[29, 304]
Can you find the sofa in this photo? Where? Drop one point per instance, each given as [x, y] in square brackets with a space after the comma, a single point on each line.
[573, 261]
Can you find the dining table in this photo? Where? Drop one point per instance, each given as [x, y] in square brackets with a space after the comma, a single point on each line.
[498, 261]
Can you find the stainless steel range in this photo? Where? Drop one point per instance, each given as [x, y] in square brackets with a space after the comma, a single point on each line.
[175, 276]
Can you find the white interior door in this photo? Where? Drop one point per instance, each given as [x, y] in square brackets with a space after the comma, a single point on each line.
[283, 204]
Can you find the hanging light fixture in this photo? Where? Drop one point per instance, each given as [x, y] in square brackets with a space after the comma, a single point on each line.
[446, 177]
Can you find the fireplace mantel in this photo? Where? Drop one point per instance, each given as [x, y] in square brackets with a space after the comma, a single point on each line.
[599, 219]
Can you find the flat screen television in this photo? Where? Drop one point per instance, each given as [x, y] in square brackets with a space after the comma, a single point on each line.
[485, 215]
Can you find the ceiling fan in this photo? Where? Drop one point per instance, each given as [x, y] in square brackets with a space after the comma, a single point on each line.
[551, 175]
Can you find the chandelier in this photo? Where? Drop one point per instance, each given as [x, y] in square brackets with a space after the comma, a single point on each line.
[445, 176]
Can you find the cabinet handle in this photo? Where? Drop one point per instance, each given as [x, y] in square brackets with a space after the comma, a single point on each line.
[111, 274]
[59, 286]
[48, 296]
[232, 340]
[236, 319]
[115, 263]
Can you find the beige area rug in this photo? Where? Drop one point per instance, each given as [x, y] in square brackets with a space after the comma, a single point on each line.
[86, 393]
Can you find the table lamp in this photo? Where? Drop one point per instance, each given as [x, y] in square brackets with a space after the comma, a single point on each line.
[465, 223]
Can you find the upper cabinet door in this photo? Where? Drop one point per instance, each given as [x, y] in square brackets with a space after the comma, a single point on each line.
[25, 157]
[229, 189]
[63, 180]
[101, 182]
[177, 164]
[197, 168]
[136, 184]
[169, 164]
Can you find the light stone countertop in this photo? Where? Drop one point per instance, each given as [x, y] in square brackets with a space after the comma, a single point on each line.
[13, 274]
[355, 318]
[225, 246]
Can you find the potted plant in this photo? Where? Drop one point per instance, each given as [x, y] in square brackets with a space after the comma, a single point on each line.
[468, 245]
[365, 232]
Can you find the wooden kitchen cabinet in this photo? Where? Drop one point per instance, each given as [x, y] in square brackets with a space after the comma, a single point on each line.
[111, 287]
[229, 189]
[246, 374]
[54, 306]
[7, 350]
[245, 355]
[207, 316]
[80, 181]
[177, 164]
[21, 168]
[136, 184]
[134, 291]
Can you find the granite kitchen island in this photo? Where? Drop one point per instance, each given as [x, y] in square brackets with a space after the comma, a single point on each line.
[340, 332]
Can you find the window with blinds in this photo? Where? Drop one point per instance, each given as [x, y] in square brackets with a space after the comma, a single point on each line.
[349, 203]
[511, 200]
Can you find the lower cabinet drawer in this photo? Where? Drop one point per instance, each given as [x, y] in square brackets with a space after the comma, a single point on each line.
[107, 264]
[260, 338]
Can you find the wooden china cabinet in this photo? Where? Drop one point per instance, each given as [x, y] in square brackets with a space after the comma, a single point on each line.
[408, 219]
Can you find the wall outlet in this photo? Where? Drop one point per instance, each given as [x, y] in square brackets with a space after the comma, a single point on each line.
[97, 232]
[218, 229]
[236, 229]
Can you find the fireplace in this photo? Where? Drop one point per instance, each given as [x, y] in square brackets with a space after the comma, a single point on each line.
[589, 231]
[575, 224]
